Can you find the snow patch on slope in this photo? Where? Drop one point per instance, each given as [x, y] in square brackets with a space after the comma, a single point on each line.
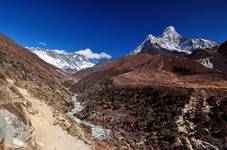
[206, 62]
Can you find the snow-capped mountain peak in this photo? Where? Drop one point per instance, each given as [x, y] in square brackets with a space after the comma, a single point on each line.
[68, 61]
[170, 40]
[170, 32]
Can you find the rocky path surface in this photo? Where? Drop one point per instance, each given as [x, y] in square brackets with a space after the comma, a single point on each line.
[49, 136]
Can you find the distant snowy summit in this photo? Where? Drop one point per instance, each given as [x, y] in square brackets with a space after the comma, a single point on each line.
[172, 41]
[69, 62]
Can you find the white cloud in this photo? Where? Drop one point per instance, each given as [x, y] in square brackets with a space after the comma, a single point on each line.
[41, 44]
[91, 55]
[61, 51]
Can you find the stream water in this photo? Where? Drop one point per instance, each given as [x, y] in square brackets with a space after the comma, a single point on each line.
[97, 131]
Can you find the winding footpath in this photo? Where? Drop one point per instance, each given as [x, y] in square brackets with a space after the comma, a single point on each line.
[49, 136]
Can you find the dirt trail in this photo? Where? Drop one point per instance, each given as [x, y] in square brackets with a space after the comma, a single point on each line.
[49, 136]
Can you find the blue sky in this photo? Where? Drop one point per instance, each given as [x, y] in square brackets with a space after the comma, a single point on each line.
[113, 26]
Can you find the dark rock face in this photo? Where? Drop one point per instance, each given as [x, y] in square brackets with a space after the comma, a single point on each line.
[223, 48]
